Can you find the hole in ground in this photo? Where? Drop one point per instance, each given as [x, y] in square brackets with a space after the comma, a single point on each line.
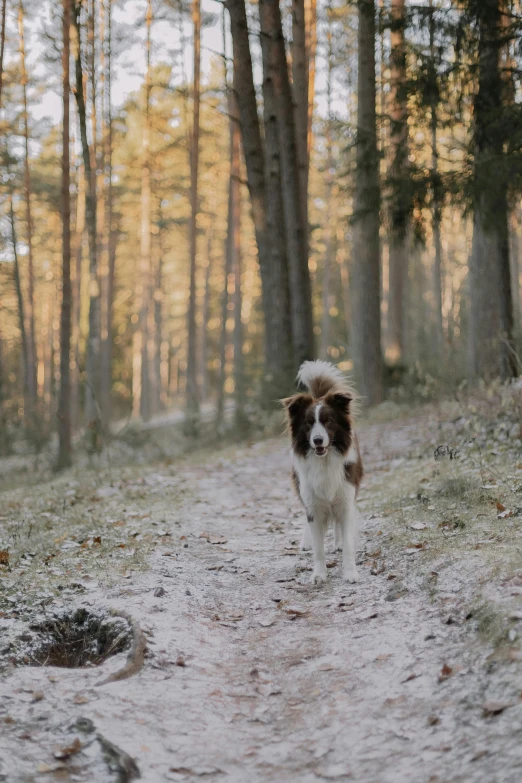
[72, 640]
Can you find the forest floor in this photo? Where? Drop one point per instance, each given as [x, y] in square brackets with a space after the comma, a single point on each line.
[252, 673]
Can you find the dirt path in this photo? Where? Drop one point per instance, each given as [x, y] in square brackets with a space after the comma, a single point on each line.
[255, 675]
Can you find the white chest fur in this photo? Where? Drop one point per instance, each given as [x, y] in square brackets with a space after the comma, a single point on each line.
[320, 478]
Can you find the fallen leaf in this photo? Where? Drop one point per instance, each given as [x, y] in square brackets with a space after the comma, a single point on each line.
[68, 750]
[410, 677]
[212, 539]
[445, 672]
[43, 769]
[80, 698]
[4, 557]
[296, 611]
[492, 707]
[97, 540]
[500, 506]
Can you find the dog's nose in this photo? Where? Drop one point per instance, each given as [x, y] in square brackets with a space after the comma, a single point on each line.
[318, 441]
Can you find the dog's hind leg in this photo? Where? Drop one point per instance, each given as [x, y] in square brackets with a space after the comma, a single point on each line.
[338, 536]
[317, 526]
[348, 523]
[306, 538]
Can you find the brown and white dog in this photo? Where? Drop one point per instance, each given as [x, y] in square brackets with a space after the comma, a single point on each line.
[327, 466]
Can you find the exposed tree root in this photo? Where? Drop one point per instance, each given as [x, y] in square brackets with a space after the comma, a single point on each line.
[136, 654]
[118, 761]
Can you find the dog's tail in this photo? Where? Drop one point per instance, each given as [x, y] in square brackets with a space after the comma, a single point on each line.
[320, 378]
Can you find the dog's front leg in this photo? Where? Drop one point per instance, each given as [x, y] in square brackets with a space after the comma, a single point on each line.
[317, 526]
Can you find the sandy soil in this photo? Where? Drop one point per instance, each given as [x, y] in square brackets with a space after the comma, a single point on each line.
[252, 673]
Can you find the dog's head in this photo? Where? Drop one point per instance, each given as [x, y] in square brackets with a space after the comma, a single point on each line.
[319, 425]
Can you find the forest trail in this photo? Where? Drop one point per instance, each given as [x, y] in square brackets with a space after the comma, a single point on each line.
[254, 674]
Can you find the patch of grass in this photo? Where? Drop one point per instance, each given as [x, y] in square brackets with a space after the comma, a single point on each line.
[491, 624]
[458, 487]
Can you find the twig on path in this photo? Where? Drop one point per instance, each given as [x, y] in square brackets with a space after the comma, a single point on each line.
[136, 654]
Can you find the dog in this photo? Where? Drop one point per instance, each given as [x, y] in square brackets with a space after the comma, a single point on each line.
[327, 469]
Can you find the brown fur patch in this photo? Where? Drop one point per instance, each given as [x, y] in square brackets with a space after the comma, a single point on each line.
[354, 471]
[297, 408]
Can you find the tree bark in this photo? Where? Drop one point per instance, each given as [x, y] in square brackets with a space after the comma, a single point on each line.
[279, 360]
[204, 320]
[2, 48]
[107, 254]
[141, 385]
[366, 308]
[296, 234]
[279, 287]
[437, 195]
[311, 47]
[76, 298]
[64, 404]
[491, 315]
[329, 231]
[157, 303]
[92, 390]
[399, 189]
[192, 412]
[20, 300]
[29, 305]
[300, 84]
[235, 247]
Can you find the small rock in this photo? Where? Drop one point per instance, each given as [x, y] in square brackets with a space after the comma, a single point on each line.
[397, 590]
[159, 592]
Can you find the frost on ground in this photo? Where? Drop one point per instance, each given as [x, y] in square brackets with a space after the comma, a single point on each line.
[253, 674]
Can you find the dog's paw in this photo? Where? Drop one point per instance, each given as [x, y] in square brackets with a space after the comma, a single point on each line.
[319, 576]
[351, 575]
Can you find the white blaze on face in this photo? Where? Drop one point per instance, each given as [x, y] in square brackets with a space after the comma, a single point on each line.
[319, 435]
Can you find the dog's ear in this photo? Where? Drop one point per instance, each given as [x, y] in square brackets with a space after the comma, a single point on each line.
[339, 401]
[296, 404]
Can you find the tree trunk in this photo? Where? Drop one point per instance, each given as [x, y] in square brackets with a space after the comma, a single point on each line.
[311, 47]
[300, 85]
[223, 337]
[399, 189]
[107, 263]
[141, 386]
[20, 302]
[235, 247]
[64, 404]
[279, 284]
[366, 306]
[296, 235]
[204, 319]
[92, 390]
[158, 320]
[76, 299]
[491, 313]
[31, 412]
[2, 48]
[329, 231]
[437, 195]
[192, 413]
[265, 195]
